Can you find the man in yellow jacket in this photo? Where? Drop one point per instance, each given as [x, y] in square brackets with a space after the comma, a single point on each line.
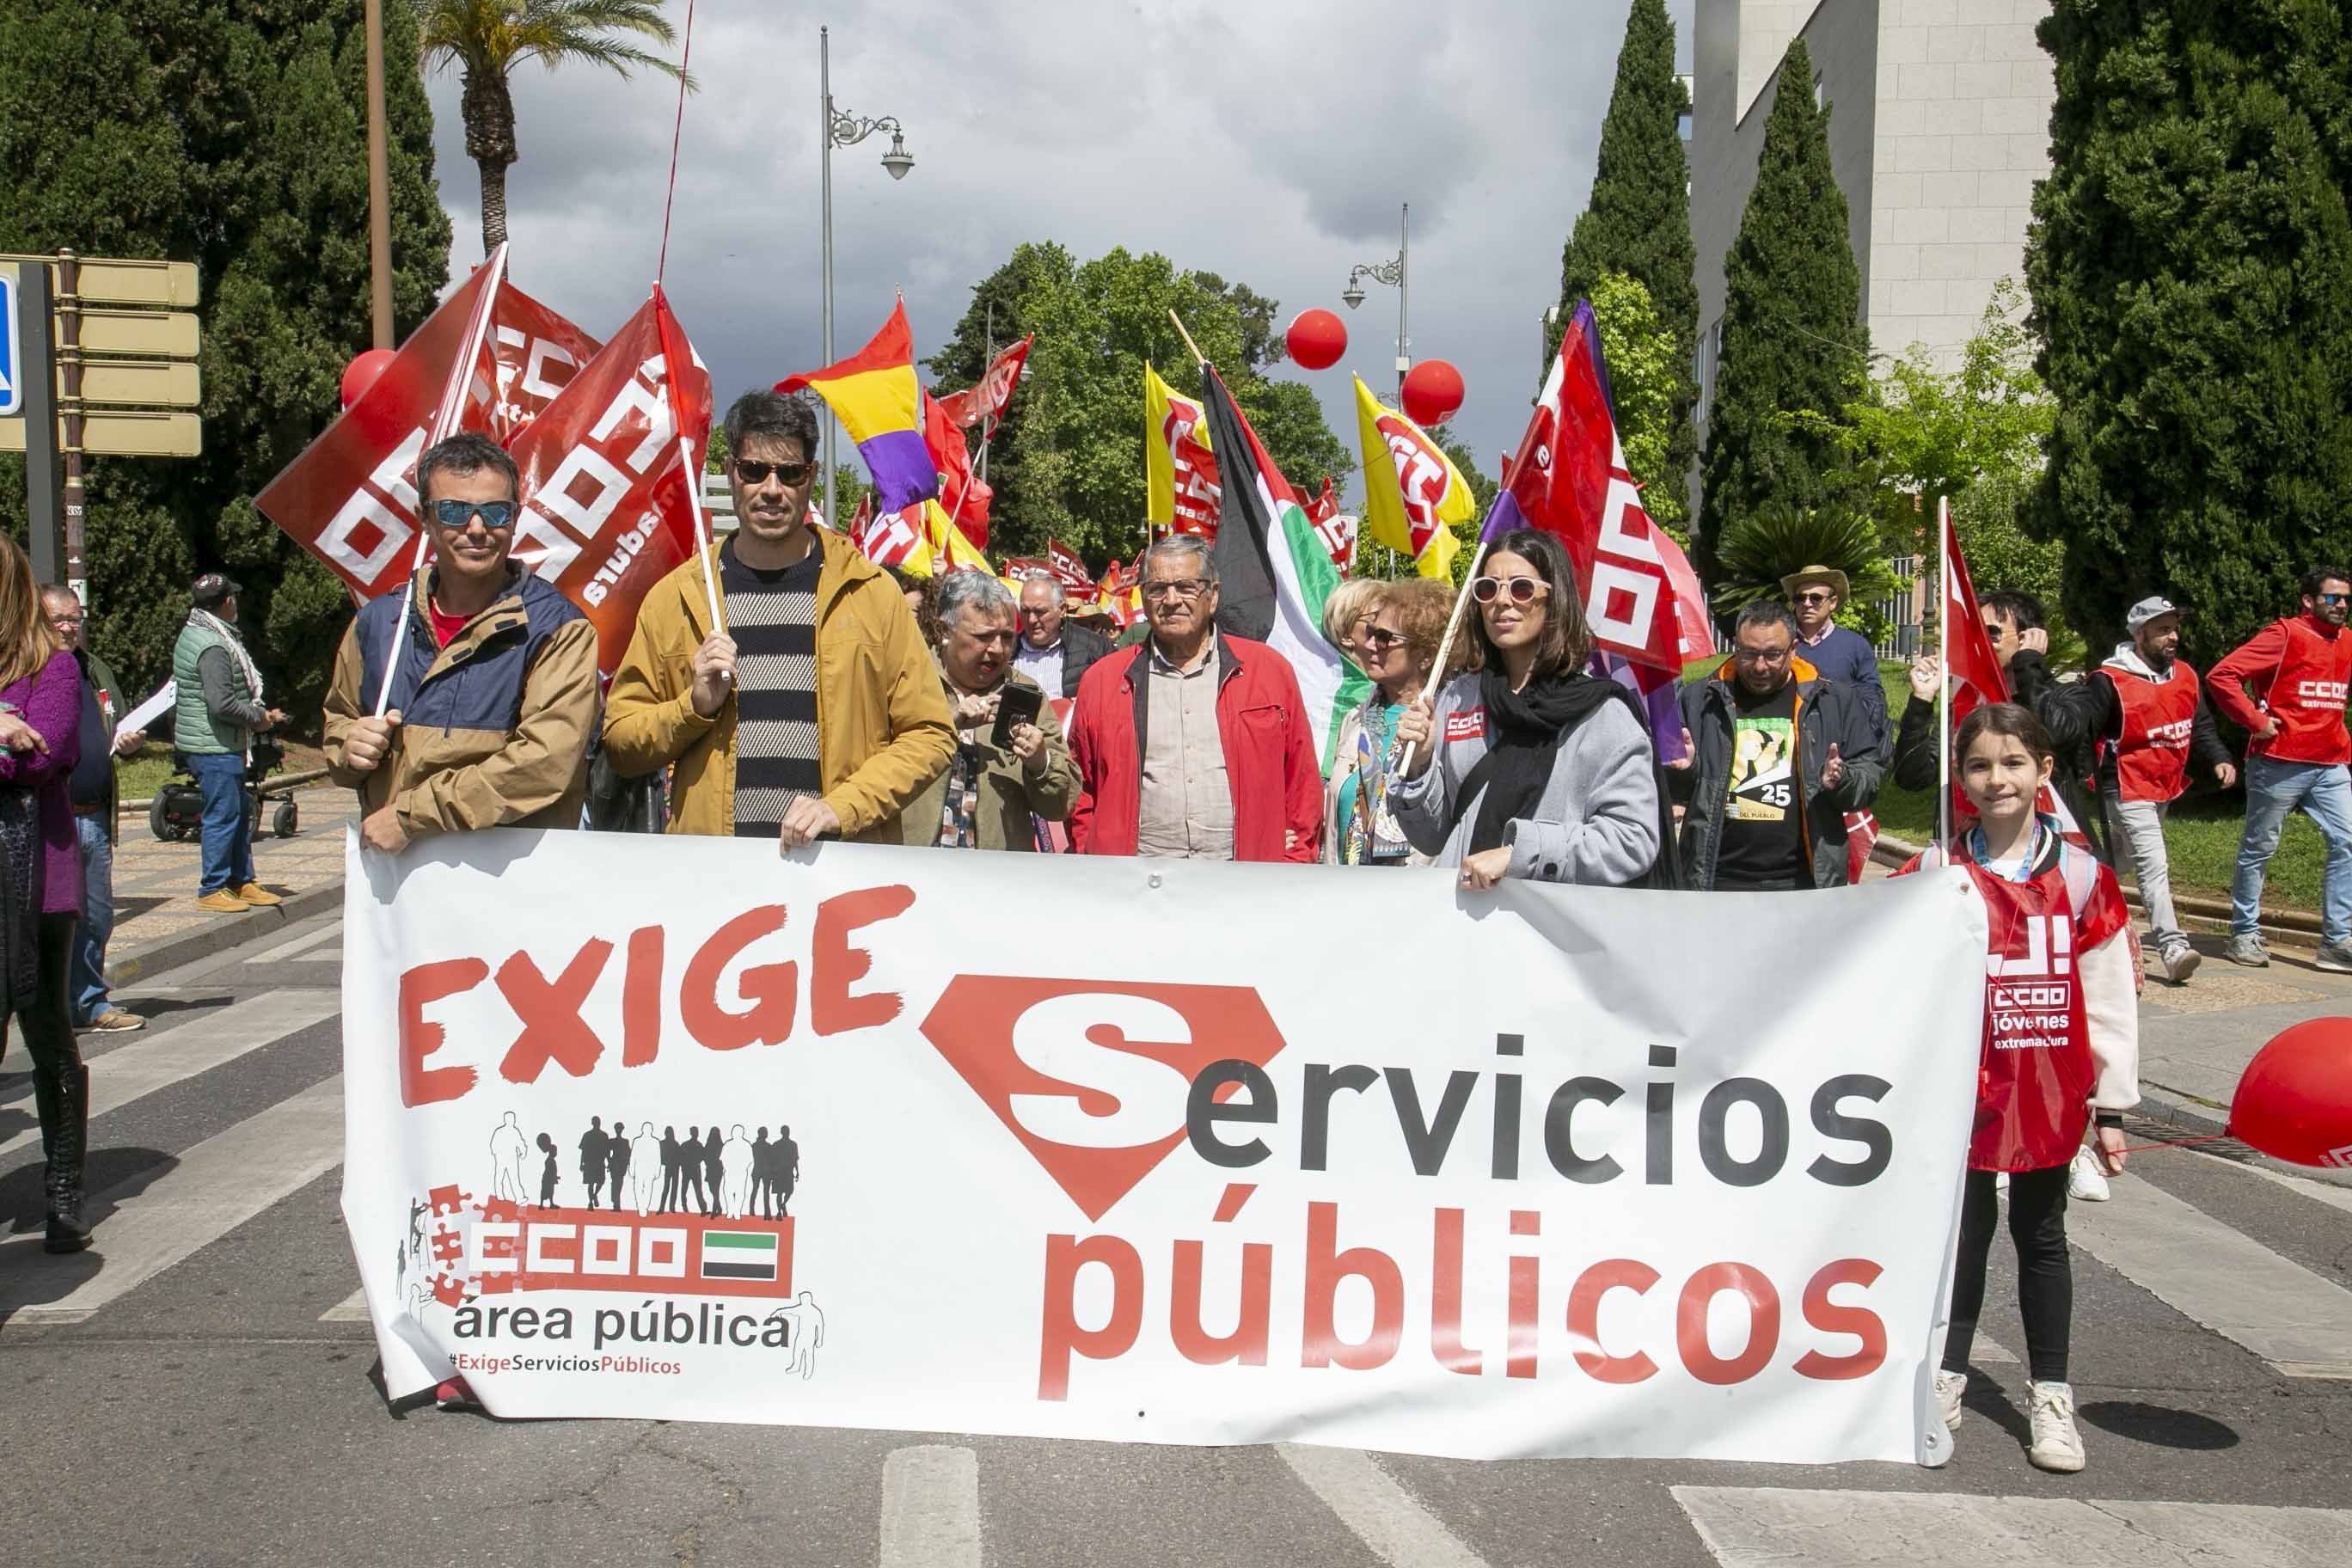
[815, 712]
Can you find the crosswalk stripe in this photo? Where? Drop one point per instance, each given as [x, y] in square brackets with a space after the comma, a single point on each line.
[2226, 1281]
[1384, 1516]
[1771, 1527]
[332, 930]
[930, 1508]
[166, 1057]
[213, 1188]
[2319, 1192]
[352, 1309]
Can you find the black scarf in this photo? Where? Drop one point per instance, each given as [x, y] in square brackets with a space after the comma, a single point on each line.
[1524, 733]
[23, 864]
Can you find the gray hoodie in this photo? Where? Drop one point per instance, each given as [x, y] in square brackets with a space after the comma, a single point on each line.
[1597, 823]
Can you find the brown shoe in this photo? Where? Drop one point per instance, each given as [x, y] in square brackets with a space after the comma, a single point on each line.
[254, 893]
[223, 903]
[115, 1021]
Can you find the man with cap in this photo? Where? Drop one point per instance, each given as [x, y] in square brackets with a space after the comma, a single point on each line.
[218, 713]
[2145, 718]
[1841, 653]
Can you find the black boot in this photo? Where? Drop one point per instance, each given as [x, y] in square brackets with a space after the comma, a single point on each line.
[65, 1122]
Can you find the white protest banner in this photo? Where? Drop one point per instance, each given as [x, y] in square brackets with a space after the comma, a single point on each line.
[1151, 1151]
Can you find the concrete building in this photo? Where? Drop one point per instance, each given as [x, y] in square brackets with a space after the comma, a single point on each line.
[1939, 128]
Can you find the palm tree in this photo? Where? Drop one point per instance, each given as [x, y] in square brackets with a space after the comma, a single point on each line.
[489, 37]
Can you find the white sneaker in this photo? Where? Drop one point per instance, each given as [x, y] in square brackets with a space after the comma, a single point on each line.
[1949, 1386]
[2180, 964]
[2057, 1446]
[2086, 1181]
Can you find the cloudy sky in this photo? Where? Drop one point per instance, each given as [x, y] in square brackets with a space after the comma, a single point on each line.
[1269, 141]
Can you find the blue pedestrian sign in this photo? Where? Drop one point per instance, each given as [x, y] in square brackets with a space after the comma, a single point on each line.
[11, 397]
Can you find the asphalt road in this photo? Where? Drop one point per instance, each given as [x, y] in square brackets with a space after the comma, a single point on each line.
[199, 1390]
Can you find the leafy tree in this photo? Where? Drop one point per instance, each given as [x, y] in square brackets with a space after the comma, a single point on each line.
[488, 38]
[234, 136]
[1068, 462]
[1645, 379]
[1791, 337]
[2190, 263]
[1637, 223]
[1769, 541]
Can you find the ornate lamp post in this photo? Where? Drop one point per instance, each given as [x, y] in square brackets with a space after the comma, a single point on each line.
[836, 129]
[1391, 272]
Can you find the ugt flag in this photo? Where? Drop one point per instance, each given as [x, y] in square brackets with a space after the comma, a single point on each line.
[1413, 495]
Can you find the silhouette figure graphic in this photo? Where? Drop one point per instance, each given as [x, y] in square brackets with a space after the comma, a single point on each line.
[787, 1159]
[646, 1168]
[737, 1161]
[546, 1175]
[508, 1154]
[690, 1169]
[416, 1226]
[673, 1170]
[805, 1336]
[617, 1158]
[714, 1169]
[764, 1170]
[594, 1148]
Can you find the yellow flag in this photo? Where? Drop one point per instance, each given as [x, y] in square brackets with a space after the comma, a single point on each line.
[1181, 491]
[949, 550]
[1412, 492]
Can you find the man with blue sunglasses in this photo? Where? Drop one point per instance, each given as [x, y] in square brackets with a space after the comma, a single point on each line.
[494, 695]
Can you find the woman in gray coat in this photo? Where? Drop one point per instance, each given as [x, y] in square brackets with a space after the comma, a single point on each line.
[1528, 766]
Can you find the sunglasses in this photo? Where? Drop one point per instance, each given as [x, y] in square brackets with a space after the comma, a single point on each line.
[1380, 638]
[1522, 590]
[794, 475]
[1815, 598]
[2330, 598]
[455, 514]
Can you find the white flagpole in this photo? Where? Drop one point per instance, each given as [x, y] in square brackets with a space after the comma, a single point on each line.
[1944, 664]
[1446, 644]
[445, 422]
[701, 527]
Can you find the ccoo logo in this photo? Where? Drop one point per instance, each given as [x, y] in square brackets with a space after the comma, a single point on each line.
[1092, 1075]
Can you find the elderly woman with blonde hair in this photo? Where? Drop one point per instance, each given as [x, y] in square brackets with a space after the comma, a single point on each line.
[1399, 651]
[1347, 611]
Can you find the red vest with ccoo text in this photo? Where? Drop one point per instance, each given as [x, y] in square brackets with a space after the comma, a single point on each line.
[2036, 1072]
[2152, 754]
[2306, 697]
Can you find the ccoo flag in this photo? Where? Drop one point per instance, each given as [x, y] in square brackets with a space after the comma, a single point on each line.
[1413, 495]
[875, 394]
[1181, 494]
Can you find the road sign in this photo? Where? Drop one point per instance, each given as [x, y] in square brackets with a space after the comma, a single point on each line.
[104, 282]
[170, 333]
[154, 382]
[11, 399]
[123, 433]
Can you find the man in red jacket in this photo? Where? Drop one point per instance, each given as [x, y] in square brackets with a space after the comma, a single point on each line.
[2299, 670]
[1192, 745]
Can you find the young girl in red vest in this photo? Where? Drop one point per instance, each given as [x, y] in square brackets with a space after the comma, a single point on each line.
[2061, 1051]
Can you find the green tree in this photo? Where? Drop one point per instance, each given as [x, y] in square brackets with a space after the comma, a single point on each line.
[1791, 340]
[234, 136]
[1646, 371]
[2190, 263]
[488, 38]
[1067, 462]
[1637, 223]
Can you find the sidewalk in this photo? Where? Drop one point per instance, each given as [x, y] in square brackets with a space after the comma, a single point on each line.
[156, 921]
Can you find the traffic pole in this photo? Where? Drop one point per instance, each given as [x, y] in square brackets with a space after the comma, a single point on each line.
[36, 377]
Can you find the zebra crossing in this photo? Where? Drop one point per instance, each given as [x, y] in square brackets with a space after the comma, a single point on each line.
[194, 1153]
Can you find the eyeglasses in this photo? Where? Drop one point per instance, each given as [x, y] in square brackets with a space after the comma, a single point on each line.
[1186, 588]
[1815, 597]
[63, 622]
[455, 514]
[1381, 637]
[1522, 590]
[794, 475]
[1761, 655]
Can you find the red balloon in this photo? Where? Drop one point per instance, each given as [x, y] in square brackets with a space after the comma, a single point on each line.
[1433, 391]
[2295, 1102]
[360, 374]
[1317, 339]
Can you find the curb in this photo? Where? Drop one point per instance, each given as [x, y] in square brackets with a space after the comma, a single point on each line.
[2176, 1109]
[2301, 925]
[224, 931]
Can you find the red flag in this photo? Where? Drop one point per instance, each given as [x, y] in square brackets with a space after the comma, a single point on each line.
[889, 540]
[1967, 651]
[1064, 564]
[988, 400]
[1690, 600]
[1022, 567]
[606, 511]
[953, 460]
[538, 353]
[1861, 834]
[349, 498]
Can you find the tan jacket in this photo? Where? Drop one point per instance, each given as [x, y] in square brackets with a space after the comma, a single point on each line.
[1009, 794]
[883, 731]
[494, 728]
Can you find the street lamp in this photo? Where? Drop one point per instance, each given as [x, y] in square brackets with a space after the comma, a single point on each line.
[836, 129]
[1391, 272]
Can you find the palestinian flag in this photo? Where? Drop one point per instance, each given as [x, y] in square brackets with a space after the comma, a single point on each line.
[1275, 569]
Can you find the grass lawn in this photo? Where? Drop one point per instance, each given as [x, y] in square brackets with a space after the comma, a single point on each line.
[150, 768]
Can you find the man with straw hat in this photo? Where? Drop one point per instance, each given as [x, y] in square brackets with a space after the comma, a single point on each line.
[1841, 653]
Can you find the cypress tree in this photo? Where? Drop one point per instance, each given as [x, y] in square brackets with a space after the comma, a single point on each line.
[235, 136]
[1791, 339]
[2191, 271]
[1637, 220]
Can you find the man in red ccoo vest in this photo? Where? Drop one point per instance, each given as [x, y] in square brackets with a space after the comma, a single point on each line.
[2298, 670]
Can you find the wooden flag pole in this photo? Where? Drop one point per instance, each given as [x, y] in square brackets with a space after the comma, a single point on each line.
[1944, 665]
[1198, 357]
[1446, 643]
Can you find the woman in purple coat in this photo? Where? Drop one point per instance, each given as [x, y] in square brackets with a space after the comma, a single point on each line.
[40, 879]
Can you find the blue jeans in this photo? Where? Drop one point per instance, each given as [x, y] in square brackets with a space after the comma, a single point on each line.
[228, 846]
[86, 972]
[2273, 789]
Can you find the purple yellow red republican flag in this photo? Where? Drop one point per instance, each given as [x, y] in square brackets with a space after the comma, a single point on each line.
[876, 396]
